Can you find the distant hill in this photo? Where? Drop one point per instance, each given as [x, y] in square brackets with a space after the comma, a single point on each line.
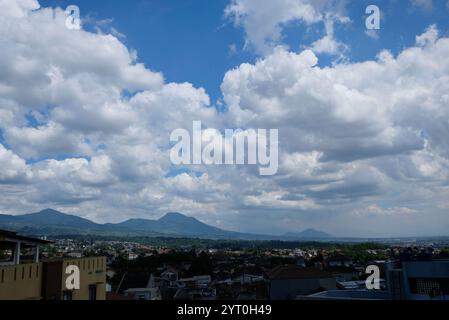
[175, 223]
[53, 217]
[310, 234]
[52, 222]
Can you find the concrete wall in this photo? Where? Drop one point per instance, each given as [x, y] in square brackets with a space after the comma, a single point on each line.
[47, 280]
[21, 282]
[92, 273]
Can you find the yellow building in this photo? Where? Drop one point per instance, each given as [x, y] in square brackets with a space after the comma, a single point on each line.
[24, 277]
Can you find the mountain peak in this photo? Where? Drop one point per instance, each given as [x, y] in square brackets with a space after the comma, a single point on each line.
[49, 211]
[51, 216]
[174, 216]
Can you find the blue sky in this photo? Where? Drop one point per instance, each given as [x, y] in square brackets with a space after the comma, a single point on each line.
[84, 127]
[189, 40]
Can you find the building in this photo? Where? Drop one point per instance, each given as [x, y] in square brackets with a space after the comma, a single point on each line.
[195, 282]
[418, 280]
[289, 281]
[245, 279]
[339, 260]
[184, 294]
[92, 279]
[347, 295]
[21, 272]
[143, 294]
[24, 277]
[406, 280]
[170, 276]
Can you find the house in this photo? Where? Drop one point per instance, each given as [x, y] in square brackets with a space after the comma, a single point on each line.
[289, 281]
[195, 282]
[132, 256]
[76, 255]
[167, 279]
[248, 279]
[150, 294]
[170, 275]
[23, 276]
[195, 294]
[339, 260]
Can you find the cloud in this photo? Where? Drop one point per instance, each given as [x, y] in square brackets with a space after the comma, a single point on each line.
[263, 21]
[350, 111]
[85, 126]
[374, 34]
[92, 121]
[14, 169]
[426, 4]
[49, 140]
[429, 37]
[375, 210]
[276, 200]
[355, 131]
[18, 8]
[328, 44]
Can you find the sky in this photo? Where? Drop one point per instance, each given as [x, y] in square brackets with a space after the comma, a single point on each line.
[86, 115]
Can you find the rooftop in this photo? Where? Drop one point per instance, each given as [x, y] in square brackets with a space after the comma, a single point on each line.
[13, 236]
[287, 272]
[348, 295]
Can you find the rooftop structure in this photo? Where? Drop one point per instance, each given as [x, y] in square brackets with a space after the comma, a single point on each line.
[289, 281]
[24, 277]
[13, 245]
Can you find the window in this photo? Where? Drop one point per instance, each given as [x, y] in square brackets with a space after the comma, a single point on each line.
[432, 287]
[67, 296]
[7, 254]
[93, 292]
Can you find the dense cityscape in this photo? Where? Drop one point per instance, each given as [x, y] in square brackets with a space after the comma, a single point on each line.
[194, 269]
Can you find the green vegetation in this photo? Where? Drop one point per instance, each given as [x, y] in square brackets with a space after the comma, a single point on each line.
[254, 246]
[366, 252]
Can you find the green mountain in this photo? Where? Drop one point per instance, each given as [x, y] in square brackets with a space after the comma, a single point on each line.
[52, 222]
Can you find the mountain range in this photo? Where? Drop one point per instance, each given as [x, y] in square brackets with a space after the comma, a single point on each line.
[52, 222]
